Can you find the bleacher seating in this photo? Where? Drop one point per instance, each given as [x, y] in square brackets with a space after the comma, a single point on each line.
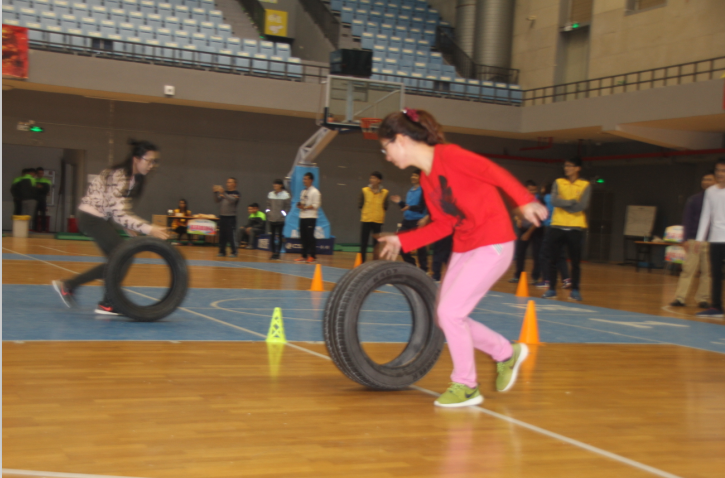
[401, 34]
[190, 31]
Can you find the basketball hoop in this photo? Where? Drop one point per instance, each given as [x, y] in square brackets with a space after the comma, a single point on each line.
[370, 127]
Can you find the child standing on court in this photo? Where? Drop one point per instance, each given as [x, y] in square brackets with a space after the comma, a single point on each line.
[461, 191]
[373, 204]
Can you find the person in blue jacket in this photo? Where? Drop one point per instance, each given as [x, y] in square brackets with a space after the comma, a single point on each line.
[414, 216]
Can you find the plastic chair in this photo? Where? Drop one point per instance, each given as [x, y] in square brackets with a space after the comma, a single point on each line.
[232, 43]
[137, 18]
[367, 41]
[251, 47]
[154, 20]
[283, 50]
[147, 6]
[260, 63]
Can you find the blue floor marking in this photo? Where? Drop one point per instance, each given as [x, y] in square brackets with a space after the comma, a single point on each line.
[34, 312]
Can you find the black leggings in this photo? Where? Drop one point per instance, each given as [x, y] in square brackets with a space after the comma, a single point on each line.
[275, 231]
[367, 228]
[106, 237]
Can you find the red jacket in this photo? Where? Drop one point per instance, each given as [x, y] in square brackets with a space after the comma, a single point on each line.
[463, 200]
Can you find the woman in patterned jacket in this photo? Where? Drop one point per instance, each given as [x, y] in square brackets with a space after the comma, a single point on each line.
[108, 201]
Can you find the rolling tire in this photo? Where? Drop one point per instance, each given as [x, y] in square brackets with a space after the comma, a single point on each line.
[340, 324]
[122, 257]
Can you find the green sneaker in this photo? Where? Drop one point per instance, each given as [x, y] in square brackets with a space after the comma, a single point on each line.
[508, 370]
[459, 395]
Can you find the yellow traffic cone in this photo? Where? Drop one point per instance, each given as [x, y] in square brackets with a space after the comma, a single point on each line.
[317, 285]
[276, 328]
[523, 289]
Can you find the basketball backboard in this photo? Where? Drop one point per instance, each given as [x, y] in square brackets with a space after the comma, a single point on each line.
[348, 99]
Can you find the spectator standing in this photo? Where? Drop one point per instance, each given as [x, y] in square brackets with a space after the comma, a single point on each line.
[570, 197]
[179, 226]
[529, 235]
[228, 200]
[373, 204]
[712, 230]
[544, 254]
[310, 202]
[414, 211]
[256, 223]
[699, 262]
[279, 203]
[42, 189]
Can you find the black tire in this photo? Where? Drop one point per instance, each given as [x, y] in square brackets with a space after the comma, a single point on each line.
[340, 324]
[123, 256]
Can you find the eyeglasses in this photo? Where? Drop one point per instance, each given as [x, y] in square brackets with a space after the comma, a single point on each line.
[384, 150]
[152, 162]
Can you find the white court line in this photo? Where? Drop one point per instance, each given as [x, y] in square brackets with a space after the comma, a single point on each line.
[534, 428]
[565, 439]
[53, 474]
[73, 253]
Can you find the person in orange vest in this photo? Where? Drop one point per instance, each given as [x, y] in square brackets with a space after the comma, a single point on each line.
[373, 204]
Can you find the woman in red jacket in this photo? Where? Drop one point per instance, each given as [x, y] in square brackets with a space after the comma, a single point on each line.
[461, 191]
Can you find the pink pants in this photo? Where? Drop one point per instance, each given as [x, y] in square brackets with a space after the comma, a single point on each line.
[469, 277]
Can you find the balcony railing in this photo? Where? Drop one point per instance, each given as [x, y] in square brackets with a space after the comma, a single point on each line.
[296, 70]
[624, 83]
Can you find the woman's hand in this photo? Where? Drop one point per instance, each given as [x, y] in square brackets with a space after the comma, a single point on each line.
[391, 246]
[534, 212]
[395, 198]
[159, 232]
[423, 221]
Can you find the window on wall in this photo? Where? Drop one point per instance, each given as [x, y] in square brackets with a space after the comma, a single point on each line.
[580, 11]
[637, 5]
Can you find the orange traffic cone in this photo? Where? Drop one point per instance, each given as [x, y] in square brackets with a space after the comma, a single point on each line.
[358, 260]
[530, 328]
[523, 289]
[317, 285]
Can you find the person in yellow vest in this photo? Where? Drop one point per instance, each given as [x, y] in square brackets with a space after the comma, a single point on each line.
[374, 203]
[570, 197]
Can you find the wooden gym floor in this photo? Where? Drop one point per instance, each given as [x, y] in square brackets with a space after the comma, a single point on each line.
[624, 386]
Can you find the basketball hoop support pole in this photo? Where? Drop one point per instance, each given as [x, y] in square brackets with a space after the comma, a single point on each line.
[311, 149]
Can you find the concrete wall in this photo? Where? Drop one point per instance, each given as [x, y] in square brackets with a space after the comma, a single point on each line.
[535, 42]
[679, 32]
[447, 9]
[201, 147]
[620, 41]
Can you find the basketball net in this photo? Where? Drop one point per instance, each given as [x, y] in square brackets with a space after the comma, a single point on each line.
[370, 127]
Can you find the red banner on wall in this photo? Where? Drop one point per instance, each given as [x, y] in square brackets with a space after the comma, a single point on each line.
[15, 52]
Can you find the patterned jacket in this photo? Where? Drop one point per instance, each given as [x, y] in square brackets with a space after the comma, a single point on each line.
[109, 197]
